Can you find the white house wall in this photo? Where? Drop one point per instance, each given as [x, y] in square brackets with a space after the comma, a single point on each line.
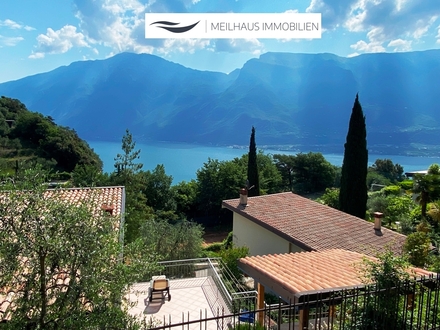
[259, 240]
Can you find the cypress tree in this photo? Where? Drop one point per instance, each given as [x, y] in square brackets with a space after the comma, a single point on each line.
[353, 192]
[252, 172]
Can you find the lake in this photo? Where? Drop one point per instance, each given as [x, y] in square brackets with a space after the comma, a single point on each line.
[183, 160]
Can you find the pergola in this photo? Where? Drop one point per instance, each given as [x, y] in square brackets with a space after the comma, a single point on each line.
[296, 276]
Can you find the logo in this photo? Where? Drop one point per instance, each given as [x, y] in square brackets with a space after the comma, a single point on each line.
[232, 25]
[170, 26]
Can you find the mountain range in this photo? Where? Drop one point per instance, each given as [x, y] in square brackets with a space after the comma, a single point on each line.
[300, 100]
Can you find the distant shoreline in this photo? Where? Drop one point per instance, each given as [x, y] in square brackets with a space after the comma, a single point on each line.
[416, 150]
[182, 160]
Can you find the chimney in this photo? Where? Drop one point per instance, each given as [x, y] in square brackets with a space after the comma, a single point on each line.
[243, 196]
[377, 220]
[108, 208]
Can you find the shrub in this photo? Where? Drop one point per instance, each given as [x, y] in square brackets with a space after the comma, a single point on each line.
[330, 198]
[214, 247]
[392, 190]
[230, 257]
[417, 246]
[406, 184]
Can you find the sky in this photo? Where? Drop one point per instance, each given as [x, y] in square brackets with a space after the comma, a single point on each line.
[40, 35]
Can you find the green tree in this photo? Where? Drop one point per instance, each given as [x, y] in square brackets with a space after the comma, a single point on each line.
[62, 259]
[128, 173]
[252, 169]
[89, 176]
[185, 195]
[312, 173]
[270, 178]
[157, 189]
[216, 181]
[353, 192]
[427, 187]
[386, 168]
[285, 165]
[306, 173]
[125, 162]
[182, 240]
[417, 247]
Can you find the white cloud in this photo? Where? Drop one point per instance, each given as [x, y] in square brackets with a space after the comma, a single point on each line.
[36, 55]
[371, 47]
[374, 44]
[400, 45]
[438, 34]
[14, 25]
[9, 41]
[111, 22]
[119, 24]
[60, 41]
[388, 19]
[395, 18]
[333, 11]
[422, 26]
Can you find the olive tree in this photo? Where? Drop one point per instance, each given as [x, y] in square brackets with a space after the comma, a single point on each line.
[61, 262]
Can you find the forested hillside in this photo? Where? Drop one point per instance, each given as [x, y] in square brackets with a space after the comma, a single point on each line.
[28, 138]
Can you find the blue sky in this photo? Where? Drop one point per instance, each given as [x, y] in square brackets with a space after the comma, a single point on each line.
[41, 35]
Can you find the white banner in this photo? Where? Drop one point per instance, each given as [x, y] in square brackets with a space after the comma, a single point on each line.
[232, 25]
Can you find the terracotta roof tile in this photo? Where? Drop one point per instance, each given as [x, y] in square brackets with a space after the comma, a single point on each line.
[314, 226]
[109, 197]
[312, 271]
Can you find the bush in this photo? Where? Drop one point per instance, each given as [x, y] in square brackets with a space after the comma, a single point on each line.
[214, 247]
[330, 198]
[417, 246]
[406, 184]
[392, 190]
[230, 257]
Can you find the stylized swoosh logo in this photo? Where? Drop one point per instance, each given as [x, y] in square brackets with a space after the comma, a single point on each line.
[169, 26]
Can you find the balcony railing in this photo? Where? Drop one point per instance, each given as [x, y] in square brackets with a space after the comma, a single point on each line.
[409, 305]
[223, 291]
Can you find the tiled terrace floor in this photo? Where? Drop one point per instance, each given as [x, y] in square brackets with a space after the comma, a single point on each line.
[188, 302]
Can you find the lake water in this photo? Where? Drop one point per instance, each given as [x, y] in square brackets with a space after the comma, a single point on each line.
[183, 160]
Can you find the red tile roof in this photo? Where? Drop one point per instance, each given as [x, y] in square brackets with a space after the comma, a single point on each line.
[315, 227]
[304, 272]
[105, 198]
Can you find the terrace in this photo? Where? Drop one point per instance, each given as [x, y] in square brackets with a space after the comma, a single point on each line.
[200, 289]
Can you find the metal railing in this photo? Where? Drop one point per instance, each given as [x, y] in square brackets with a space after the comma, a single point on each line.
[409, 305]
[222, 290]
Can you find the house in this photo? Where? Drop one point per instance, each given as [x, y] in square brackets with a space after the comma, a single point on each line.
[285, 222]
[110, 200]
[414, 173]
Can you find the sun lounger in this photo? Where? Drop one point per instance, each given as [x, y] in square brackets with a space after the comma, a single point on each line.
[159, 284]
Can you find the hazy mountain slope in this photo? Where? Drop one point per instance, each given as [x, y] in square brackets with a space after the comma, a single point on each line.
[290, 98]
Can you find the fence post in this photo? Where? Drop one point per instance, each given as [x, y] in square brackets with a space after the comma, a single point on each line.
[304, 317]
[410, 301]
[260, 302]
